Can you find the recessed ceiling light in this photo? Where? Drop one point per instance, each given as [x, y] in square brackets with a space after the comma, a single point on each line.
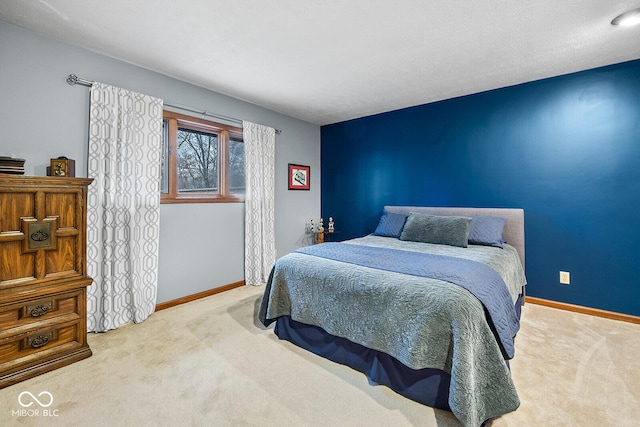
[627, 19]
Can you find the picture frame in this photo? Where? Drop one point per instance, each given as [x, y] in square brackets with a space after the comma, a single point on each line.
[299, 177]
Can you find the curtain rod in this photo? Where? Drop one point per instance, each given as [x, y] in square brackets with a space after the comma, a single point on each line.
[72, 80]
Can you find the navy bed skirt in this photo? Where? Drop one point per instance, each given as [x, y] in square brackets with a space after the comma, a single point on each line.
[427, 386]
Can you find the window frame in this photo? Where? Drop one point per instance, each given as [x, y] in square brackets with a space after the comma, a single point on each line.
[225, 134]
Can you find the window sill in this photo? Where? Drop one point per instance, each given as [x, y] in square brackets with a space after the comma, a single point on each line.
[191, 199]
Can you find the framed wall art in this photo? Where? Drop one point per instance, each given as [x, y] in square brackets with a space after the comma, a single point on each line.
[299, 177]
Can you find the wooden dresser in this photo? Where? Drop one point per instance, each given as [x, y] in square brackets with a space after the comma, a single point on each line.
[43, 275]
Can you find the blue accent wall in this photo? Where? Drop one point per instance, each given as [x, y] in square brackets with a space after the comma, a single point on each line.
[565, 149]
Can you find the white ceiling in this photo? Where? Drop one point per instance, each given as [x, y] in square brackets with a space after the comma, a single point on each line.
[333, 60]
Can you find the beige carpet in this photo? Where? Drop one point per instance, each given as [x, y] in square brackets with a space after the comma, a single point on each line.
[207, 363]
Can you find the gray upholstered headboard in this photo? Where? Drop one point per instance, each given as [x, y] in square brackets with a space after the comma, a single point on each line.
[513, 230]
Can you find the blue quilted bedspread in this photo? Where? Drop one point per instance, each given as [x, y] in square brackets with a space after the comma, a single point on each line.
[479, 279]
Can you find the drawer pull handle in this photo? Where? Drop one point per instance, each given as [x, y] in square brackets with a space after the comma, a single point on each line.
[40, 236]
[40, 340]
[40, 309]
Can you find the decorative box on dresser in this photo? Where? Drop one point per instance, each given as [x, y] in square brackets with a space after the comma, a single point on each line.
[43, 275]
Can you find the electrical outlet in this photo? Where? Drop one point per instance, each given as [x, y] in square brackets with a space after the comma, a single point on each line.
[565, 278]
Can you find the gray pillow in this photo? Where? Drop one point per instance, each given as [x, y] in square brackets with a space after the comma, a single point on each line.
[443, 230]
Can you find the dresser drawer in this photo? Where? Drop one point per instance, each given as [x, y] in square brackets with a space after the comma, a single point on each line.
[40, 343]
[15, 317]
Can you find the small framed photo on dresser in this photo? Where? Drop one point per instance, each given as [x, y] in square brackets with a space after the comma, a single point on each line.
[299, 177]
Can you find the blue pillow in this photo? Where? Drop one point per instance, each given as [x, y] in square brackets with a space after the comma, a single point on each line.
[390, 225]
[442, 230]
[487, 230]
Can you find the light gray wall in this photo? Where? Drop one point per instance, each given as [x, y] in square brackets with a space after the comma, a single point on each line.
[201, 245]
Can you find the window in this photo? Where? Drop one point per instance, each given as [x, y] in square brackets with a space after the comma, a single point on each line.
[202, 161]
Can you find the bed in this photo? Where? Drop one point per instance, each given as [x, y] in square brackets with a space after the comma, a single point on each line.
[428, 305]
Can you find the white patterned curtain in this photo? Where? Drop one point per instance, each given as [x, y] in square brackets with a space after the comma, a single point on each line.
[123, 208]
[259, 241]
